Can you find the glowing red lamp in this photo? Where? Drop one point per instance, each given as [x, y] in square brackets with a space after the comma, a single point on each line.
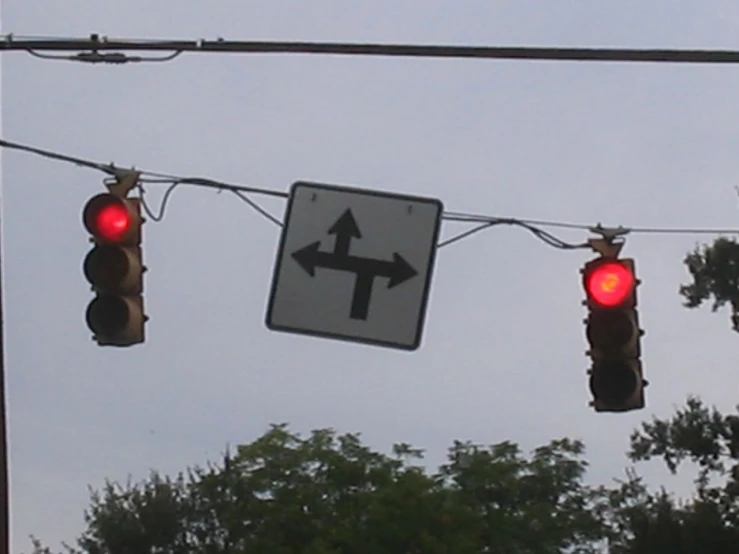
[609, 284]
[112, 222]
[107, 217]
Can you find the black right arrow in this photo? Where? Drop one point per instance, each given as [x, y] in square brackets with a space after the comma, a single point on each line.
[399, 271]
[345, 228]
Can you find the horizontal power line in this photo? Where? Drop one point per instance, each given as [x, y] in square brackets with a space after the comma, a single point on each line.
[147, 176]
[478, 218]
[483, 221]
[97, 44]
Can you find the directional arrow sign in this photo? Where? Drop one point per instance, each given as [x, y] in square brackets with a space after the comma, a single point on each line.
[354, 264]
[398, 270]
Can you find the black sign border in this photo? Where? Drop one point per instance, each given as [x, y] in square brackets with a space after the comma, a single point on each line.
[338, 336]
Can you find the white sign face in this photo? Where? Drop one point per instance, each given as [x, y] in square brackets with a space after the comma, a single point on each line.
[355, 264]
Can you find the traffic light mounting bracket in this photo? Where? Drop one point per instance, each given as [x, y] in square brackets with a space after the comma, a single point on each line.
[123, 182]
[609, 233]
[606, 248]
[610, 243]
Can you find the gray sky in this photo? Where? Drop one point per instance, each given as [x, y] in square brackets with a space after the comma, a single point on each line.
[502, 355]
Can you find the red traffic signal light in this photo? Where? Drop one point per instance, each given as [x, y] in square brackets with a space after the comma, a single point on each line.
[114, 266]
[609, 283]
[613, 333]
[111, 219]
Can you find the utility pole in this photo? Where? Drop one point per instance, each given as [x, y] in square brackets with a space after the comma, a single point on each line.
[4, 481]
[4, 496]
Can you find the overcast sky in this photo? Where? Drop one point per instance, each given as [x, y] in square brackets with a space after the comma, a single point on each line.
[502, 353]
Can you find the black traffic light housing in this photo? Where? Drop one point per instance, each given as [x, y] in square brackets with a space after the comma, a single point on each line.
[613, 333]
[114, 267]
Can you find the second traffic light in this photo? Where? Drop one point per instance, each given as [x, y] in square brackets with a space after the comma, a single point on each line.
[613, 334]
[114, 267]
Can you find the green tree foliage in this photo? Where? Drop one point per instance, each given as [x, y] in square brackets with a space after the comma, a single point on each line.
[330, 494]
[709, 522]
[715, 273]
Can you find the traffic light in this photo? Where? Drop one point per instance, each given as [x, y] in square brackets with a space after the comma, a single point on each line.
[613, 333]
[114, 266]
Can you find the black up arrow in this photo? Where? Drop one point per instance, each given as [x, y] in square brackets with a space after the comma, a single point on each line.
[345, 228]
[365, 270]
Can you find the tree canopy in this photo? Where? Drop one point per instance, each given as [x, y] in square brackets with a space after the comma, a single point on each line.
[328, 493]
[714, 270]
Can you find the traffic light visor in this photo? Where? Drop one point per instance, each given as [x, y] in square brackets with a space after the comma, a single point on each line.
[610, 331]
[613, 382]
[609, 284]
[108, 217]
[113, 267]
[114, 317]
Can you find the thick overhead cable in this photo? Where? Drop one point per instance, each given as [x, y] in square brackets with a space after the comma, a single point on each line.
[91, 48]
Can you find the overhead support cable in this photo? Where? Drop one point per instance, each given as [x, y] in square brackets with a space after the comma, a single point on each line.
[483, 221]
[92, 48]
